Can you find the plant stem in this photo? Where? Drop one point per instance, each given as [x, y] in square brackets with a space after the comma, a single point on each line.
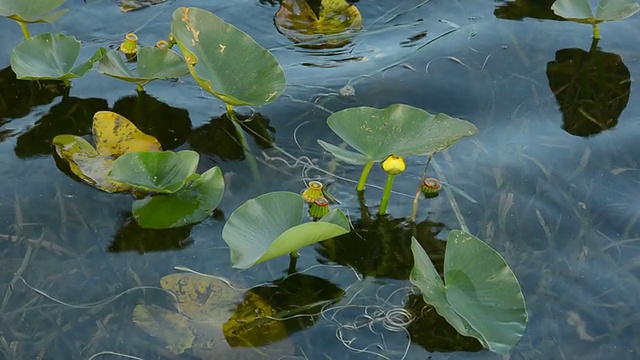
[414, 211]
[293, 260]
[385, 195]
[140, 88]
[253, 164]
[596, 31]
[66, 83]
[25, 31]
[364, 175]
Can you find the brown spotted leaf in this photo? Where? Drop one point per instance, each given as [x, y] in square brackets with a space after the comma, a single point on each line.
[254, 323]
[85, 162]
[114, 135]
[167, 325]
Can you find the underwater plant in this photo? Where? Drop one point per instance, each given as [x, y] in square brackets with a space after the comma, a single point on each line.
[388, 135]
[581, 11]
[480, 296]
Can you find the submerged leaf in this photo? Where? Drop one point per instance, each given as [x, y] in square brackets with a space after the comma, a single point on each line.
[152, 64]
[167, 325]
[50, 57]
[225, 61]
[85, 162]
[399, 129]
[298, 21]
[114, 135]
[253, 323]
[32, 11]
[480, 296]
[270, 226]
[188, 205]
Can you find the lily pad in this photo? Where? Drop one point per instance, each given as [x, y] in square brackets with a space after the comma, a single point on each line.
[399, 129]
[188, 205]
[32, 11]
[116, 135]
[225, 61]
[153, 63]
[300, 23]
[480, 295]
[85, 162]
[270, 226]
[607, 10]
[50, 57]
[162, 172]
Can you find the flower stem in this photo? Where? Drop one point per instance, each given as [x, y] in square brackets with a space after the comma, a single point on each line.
[364, 175]
[596, 31]
[25, 31]
[414, 210]
[385, 195]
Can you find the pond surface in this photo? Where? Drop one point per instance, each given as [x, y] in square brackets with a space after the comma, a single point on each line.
[550, 182]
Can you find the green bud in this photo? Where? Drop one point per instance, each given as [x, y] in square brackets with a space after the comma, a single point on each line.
[319, 208]
[430, 187]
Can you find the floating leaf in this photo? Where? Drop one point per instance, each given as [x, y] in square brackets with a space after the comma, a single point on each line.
[188, 205]
[225, 61]
[482, 297]
[85, 162]
[32, 11]
[607, 10]
[162, 172]
[152, 64]
[115, 135]
[299, 22]
[270, 226]
[50, 57]
[399, 129]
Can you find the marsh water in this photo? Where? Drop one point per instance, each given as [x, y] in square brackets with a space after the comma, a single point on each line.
[550, 182]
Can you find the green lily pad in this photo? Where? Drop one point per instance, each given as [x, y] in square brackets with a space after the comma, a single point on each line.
[153, 63]
[32, 11]
[299, 22]
[399, 129]
[86, 163]
[480, 296]
[50, 57]
[607, 10]
[162, 172]
[225, 61]
[270, 226]
[189, 205]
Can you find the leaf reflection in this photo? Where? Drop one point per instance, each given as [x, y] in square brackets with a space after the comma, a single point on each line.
[520, 9]
[131, 237]
[592, 89]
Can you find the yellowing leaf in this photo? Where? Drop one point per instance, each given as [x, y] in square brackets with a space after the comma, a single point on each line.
[169, 326]
[298, 21]
[252, 324]
[85, 162]
[114, 135]
[202, 298]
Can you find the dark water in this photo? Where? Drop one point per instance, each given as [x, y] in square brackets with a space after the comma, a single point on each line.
[556, 195]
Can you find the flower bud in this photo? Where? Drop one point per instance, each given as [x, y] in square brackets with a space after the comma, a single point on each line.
[430, 187]
[393, 165]
[319, 208]
[313, 191]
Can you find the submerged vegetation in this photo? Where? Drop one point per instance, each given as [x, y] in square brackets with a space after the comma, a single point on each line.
[476, 291]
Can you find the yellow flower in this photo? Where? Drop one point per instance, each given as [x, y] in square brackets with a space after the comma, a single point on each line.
[393, 165]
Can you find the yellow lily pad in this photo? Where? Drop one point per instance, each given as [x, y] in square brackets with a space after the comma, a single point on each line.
[299, 22]
[254, 323]
[115, 135]
[86, 163]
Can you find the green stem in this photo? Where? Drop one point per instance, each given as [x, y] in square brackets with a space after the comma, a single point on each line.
[364, 175]
[385, 195]
[414, 210]
[25, 31]
[253, 164]
[140, 88]
[66, 83]
[596, 31]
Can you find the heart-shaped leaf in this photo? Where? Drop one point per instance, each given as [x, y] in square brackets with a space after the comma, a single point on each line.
[607, 10]
[225, 61]
[153, 63]
[189, 205]
[299, 22]
[115, 135]
[162, 172]
[31, 11]
[85, 162]
[399, 129]
[270, 226]
[50, 57]
[480, 296]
